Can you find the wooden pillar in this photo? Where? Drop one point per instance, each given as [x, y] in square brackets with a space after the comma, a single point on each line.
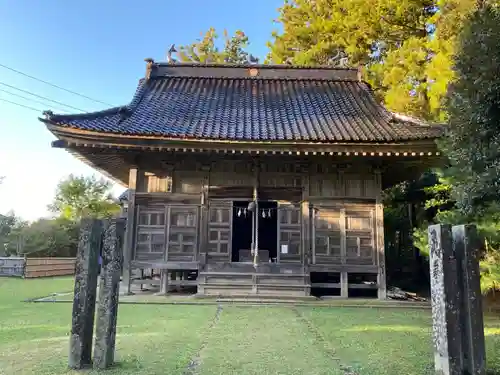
[307, 233]
[164, 284]
[203, 243]
[380, 245]
[129, 242]
[344, 286]
[82, 322]
[305, 230]
[256, 213]
[109, 290]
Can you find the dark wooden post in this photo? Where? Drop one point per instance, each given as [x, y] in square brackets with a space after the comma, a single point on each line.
[82, 323]
[128, 247]
[109, 290]
[465, 242]
[445, 289]
[310, 254]
[380, 242]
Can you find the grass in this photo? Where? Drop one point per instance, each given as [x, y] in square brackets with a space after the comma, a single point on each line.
[173, 339]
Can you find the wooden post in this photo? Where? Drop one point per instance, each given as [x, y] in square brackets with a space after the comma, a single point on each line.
[109, 290]
[204, 211]
[447, 336]
[344, 282]
[380, 249]
[82, 323]
[379, 242]
[312, 219]
[128, 246]
[164, 284]
[466, 249]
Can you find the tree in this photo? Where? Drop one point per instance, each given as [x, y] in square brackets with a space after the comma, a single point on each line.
[473, 141]
[44, 238]
[205, 50]
[405, 46]
[7, 224]
[78, 197]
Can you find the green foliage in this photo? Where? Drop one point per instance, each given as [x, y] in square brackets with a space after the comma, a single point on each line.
[487, 223]
[205, 49]
[7, 224]
[44, 238]
[407, 66]
[490, 269]
[473, 141]
[78, 197]
[313, 32]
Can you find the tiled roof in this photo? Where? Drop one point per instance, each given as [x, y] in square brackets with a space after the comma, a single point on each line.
[230, 106]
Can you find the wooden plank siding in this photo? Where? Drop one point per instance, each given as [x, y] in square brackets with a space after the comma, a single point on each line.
[48, 267]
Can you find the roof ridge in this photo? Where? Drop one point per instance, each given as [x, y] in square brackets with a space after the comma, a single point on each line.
[249, 66]
[312, 79]
[252, 71]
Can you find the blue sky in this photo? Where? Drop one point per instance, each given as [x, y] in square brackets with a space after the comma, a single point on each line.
[96, 48]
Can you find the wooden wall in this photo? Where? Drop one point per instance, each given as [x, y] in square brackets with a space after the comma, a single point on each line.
[45, 267]
[346, 229]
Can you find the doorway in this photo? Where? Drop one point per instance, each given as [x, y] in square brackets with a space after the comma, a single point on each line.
[242, 230]
[268, 229]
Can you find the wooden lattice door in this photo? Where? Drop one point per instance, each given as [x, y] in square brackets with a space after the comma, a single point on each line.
[219, 231]
[182, 232]
[289, 234]
[327, 234]
[360, 235]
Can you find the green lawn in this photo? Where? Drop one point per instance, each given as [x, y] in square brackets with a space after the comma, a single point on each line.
[167, 339]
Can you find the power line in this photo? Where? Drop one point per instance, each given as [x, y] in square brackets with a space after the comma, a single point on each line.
[42, 97]
[56, 86]
[29, 99]
[21, 105]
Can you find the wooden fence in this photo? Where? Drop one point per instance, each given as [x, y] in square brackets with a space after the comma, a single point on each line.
[37, 267]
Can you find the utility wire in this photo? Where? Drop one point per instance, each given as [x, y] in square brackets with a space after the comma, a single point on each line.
[29, 99]
[56, 86]
[41, 97]
[22, 105]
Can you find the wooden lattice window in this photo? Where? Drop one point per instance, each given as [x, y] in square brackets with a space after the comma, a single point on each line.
[359, 234]
[289, 233]
[151, 242]
[219, 229]
[289, 216]
[291, 239]
[327, 233]
[150, 231]
[182, 236]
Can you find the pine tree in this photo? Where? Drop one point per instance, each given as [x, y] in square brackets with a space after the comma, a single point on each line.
[473, 141]
[205, 49]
